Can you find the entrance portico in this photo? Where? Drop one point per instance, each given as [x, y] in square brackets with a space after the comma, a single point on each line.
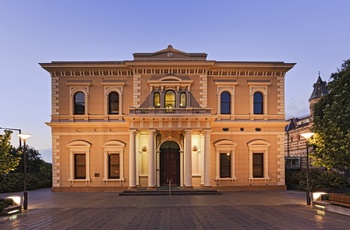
[160, 157]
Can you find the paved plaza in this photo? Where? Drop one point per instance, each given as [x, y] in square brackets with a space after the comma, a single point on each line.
[231, 210]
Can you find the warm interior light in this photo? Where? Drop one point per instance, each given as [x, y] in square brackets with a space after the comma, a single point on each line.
[317, 195]
[307, 135]
[24, 136]
[16, 199]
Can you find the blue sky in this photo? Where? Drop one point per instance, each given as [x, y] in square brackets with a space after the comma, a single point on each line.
[314, 34]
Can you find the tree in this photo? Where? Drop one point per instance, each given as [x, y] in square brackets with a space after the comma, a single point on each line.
[8, 161]
[332, 123]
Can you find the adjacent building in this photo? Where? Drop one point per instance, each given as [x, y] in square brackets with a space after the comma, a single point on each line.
[167, 117]
[295, 146]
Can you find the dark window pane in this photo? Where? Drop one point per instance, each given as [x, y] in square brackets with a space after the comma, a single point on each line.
[258, 103]
[79, 103]
[258, 165]
[225, 165]
[79, 166]
[225, 103]
[113, 103]
[114, 169]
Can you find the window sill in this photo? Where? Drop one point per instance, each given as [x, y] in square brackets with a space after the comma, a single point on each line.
[218, 180]
[87, 180]
[121, 181]
[264, 179]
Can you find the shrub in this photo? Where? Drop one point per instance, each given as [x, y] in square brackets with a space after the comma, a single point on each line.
[13, 182]
[325, 180]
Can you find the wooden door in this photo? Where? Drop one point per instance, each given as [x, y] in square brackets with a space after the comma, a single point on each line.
[170, 167]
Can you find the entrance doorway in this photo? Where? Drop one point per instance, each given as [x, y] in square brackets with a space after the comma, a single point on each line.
[169, 164]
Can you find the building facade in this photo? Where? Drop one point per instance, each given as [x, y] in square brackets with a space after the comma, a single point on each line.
[295, 145]
[167, 117]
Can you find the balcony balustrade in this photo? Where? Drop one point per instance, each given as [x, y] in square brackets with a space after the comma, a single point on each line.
[170, 111]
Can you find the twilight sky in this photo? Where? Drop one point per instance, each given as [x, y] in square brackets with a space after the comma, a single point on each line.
[314, 34]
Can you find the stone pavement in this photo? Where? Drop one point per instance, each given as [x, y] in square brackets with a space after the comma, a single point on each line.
[231, 210]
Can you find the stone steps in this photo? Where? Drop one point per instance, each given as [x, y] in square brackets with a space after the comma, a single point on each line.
[164, 192]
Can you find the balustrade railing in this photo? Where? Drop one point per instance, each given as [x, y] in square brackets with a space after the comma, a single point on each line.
[161, 111]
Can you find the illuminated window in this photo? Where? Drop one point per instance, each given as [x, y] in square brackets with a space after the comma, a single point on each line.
[258, 103]
[225, 165]
[79, 103]
[183, 100]
[156, 100]
[225, 103]
[79, 166]
[170, 99]
[113, 166]
[113, 103]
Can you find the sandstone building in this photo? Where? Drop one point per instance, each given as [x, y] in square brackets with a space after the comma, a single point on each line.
[167, 117]
[295, 145]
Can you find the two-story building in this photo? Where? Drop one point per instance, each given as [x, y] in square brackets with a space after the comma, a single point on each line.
[167, 117]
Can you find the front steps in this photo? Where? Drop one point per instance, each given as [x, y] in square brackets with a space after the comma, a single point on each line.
[164, 191]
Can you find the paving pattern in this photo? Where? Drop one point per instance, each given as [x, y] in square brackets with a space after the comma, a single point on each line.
[231, 210]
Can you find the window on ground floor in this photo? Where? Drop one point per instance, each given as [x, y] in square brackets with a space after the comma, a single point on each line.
[79, 166]
[258, 165]
[113, 166]
[225, 165]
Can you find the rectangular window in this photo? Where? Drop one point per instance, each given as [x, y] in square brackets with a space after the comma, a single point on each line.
[225, 165]
[79, 166]
[293, 163]
[113, 166]
[258, 165]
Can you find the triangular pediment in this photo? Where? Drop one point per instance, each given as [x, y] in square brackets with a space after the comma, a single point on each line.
[170, 54]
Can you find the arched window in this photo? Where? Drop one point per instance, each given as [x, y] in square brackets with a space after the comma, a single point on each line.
[113, 103]
[156, 100]
[225, 103]
[183, 100]
[79, 103]
[258, 103]
[170, 99]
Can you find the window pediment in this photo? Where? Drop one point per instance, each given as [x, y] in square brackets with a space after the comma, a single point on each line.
[225, 143]
[114, 143]
[79, 144]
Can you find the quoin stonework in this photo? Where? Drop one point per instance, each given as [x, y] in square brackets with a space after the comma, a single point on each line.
[167, 117]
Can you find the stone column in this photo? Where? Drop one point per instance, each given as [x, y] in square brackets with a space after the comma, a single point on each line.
[132, 160]
[201, 159]
[188, 160]
[151, 160]
[207, 173]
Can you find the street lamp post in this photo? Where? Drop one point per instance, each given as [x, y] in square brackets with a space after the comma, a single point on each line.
[307, 136]
[24, 137]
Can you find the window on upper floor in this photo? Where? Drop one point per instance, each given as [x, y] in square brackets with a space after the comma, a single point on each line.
[225, 103]
[258, 103]
[170, 99]
[79, 103]
[113, 103]
[183, 100]
[156, 100]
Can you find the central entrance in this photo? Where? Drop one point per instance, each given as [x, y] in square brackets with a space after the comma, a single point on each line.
[169, 164]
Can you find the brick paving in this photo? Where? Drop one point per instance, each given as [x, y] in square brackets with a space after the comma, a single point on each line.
[231, 210]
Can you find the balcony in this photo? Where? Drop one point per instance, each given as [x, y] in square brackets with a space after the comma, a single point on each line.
[168, 111]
